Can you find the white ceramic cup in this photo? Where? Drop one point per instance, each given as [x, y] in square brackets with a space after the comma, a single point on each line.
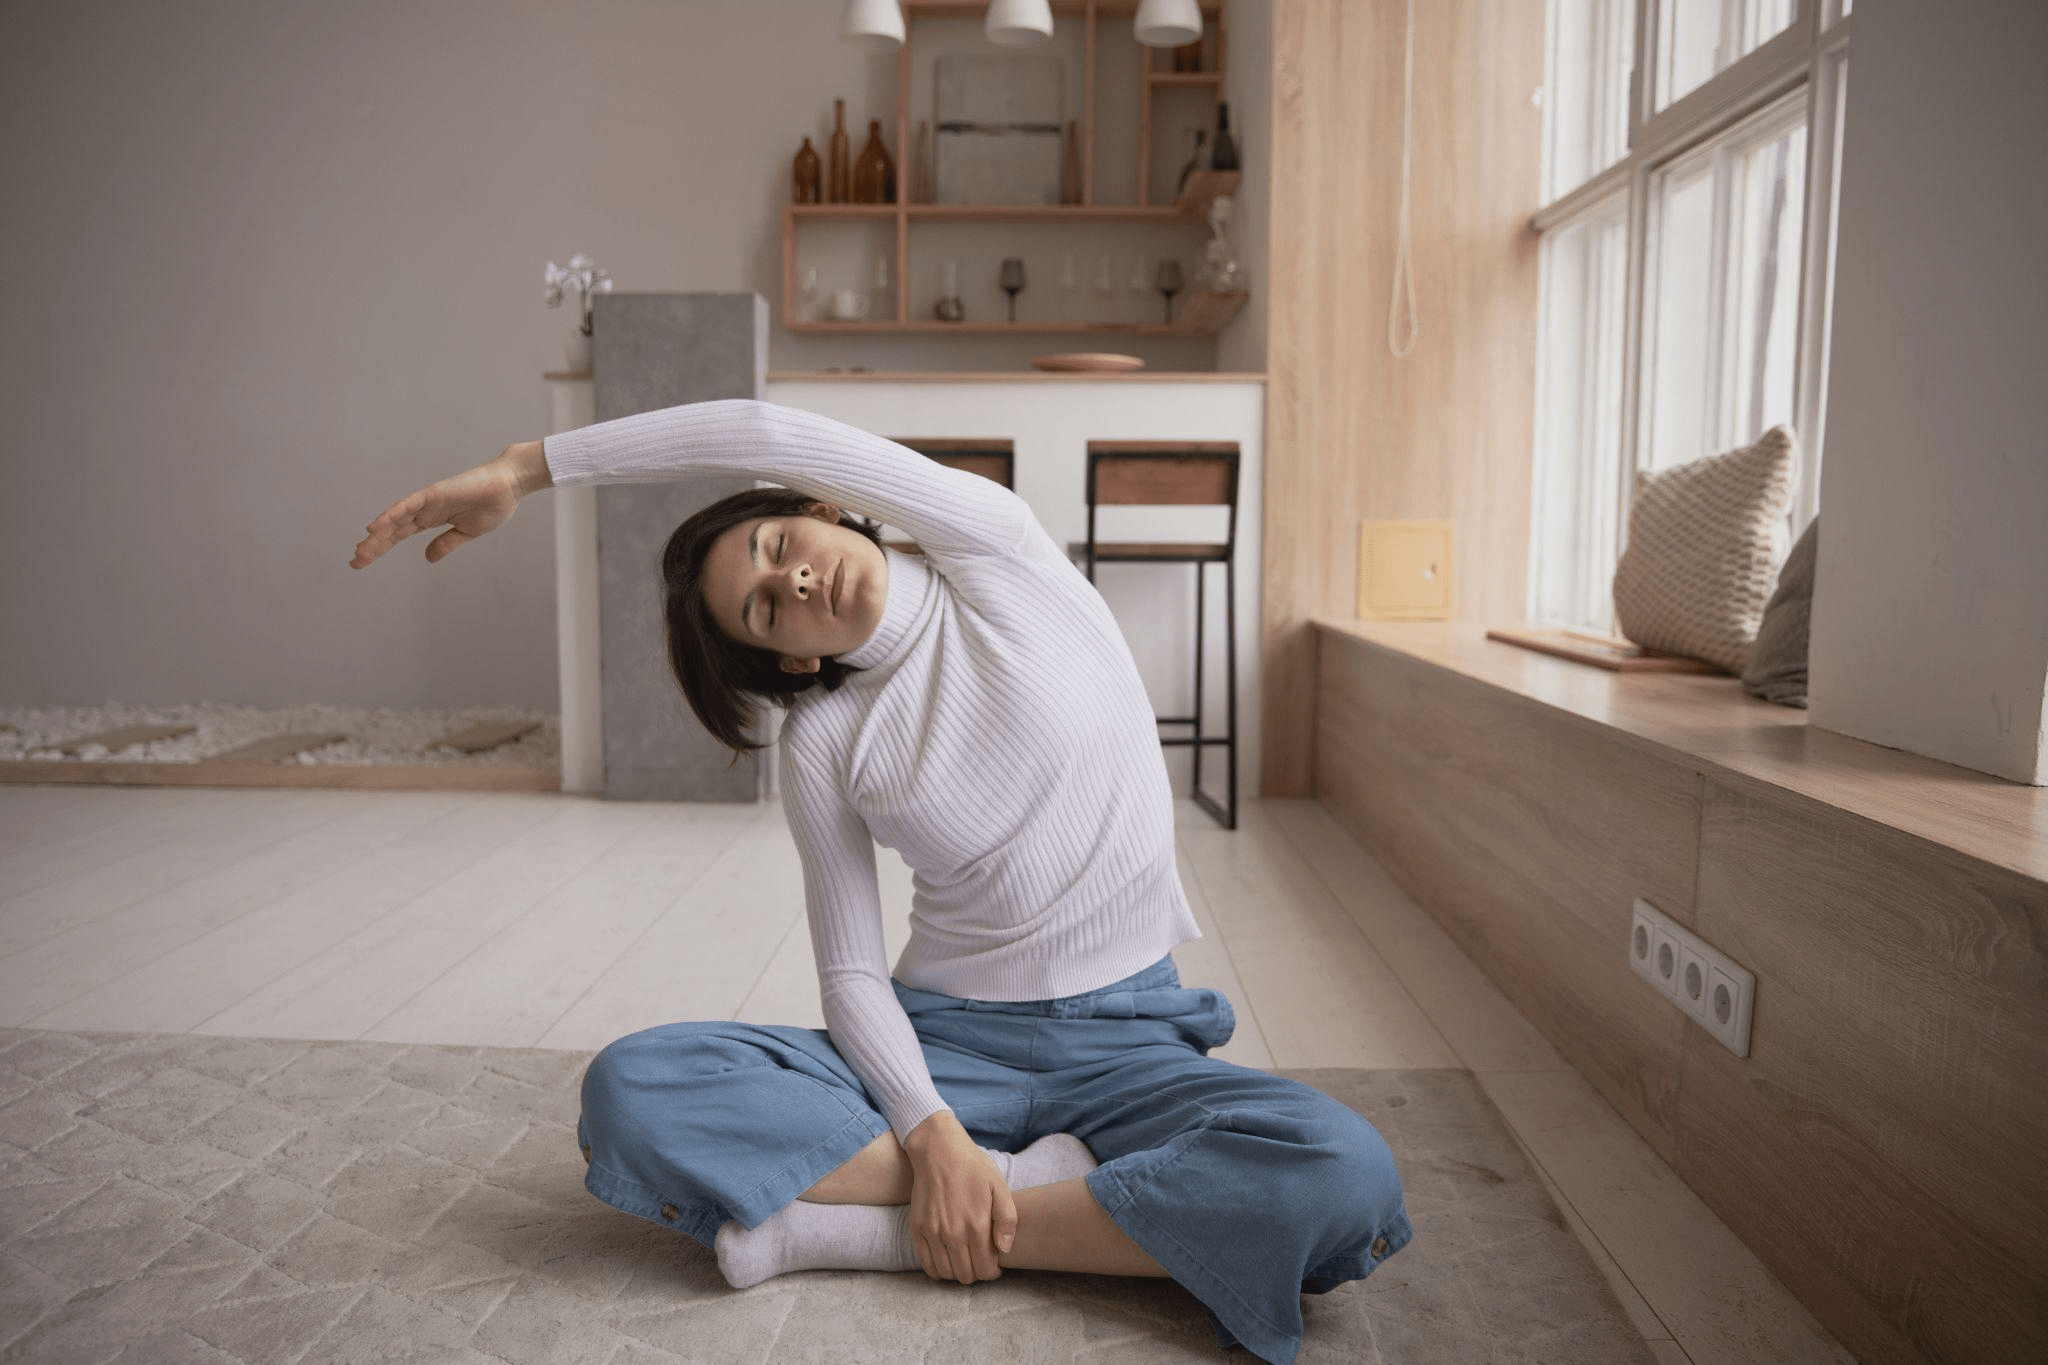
[849, 305]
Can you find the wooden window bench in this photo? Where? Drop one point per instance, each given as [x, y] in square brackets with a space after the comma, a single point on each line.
[1880, 1147]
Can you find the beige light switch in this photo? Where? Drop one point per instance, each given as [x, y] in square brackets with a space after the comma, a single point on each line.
[1404, 570]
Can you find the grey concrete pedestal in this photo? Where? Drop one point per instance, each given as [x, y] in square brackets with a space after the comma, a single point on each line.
[651, 351]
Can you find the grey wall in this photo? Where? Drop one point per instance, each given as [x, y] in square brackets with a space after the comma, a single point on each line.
[1930, 619]
[274, 264]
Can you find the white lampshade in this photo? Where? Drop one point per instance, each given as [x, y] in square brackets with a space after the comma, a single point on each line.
[872, 25]
[1018, 23]
[1167, 23]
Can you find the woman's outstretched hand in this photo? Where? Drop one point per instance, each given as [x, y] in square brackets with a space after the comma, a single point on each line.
[469, 504]
[961, 1212]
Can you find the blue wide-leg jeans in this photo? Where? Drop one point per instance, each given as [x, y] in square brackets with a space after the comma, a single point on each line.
[1248, 1188]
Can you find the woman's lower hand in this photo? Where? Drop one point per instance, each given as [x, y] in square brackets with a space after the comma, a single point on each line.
[469, 504]
[961, 1213]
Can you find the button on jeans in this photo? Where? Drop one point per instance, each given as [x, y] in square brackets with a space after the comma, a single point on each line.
[1248, 1188]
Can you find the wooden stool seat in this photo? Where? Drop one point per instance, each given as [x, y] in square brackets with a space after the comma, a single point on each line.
[1177, 474]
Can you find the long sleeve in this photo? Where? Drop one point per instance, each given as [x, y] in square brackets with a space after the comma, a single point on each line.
[950, 512]
[862, 1014]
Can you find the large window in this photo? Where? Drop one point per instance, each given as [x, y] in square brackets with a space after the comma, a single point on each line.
[1687, 259]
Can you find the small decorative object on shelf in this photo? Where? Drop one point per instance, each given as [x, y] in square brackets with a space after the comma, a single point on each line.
[881, 277]
[808, 170]
[949, 308]
[1223, 155]
[1168, 282]
[812, 302]
[586, 277]
[921, 166]
[1012, 281]
[874, 175]
[838, 179]
[1194, 161]
[849, 305]
[1188, 56]
[1220, 272]
[1070, 165]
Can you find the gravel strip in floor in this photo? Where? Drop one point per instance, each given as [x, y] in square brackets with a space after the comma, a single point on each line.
[377, 735]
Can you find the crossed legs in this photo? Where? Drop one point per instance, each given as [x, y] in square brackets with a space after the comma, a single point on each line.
[1059, 1226]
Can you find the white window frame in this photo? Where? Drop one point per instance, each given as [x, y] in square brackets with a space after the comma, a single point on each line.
[1808, 56]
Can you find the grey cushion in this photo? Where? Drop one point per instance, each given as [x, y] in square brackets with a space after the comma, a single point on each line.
[1776, 670]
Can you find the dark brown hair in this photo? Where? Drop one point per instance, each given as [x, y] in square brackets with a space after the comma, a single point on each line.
[726, 681]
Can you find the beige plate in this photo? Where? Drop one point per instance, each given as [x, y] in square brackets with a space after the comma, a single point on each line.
[1088, 360]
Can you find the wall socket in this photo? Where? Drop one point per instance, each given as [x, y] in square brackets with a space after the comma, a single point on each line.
[1703, 982]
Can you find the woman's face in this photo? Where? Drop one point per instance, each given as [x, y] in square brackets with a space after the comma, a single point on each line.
[803, 586]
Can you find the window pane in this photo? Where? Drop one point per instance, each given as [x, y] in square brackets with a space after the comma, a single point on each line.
[1576, 493]
[1770, 183]
[1585, 98]
[1696, 38]
[1682, 298]
[1724, 290]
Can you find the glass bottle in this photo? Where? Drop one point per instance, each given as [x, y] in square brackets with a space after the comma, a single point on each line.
[1223, 153]
[838, 183]
[1194, 162]
[806, 169]
[874, 175]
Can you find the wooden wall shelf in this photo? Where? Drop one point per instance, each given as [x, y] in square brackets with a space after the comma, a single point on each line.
[1198, 314]
[1201, 315]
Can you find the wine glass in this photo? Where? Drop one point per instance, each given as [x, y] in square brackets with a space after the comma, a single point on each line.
[1168, 282]
[1012, 281]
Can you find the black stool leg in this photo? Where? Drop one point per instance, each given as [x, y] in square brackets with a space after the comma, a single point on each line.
[1230, 681]
[1200, 613]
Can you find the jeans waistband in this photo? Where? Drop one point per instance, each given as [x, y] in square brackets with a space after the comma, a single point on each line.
[1113, 1000]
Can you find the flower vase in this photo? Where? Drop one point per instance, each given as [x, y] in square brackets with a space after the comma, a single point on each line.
[576, 351]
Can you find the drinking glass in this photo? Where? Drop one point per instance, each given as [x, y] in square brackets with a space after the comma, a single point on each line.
[1168, 282]
[1012, 281]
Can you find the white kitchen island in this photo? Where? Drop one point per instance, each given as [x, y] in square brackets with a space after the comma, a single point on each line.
[1049, 418]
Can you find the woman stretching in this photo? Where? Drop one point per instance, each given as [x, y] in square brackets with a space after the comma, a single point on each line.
[977, 709]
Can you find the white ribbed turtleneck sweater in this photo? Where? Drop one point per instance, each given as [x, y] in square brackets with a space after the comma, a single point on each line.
[997, 736]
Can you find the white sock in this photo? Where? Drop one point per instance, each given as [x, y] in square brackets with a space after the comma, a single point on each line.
[1051, 1159]
[806, 1236]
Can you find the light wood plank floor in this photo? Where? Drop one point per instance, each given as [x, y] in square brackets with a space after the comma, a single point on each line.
[524, 920]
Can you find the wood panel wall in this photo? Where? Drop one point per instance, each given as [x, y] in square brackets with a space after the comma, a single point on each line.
[1352, 433]
[1880, 1149]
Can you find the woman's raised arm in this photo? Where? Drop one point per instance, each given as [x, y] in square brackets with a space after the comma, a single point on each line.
[944, 510]
[469, 504]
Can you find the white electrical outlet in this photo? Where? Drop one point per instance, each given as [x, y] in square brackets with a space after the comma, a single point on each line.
[1698, 978]
[1694, 973]
[1641, 937]
[1730, 997]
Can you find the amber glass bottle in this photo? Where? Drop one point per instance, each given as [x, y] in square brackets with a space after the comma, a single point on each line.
[874, 175]
[838, 183]
[806, 171]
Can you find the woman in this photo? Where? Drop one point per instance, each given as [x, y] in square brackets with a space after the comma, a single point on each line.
[977, 709]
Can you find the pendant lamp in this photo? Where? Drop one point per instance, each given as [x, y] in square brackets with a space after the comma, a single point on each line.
[872, 25]
[1018, 23]
[1167, 23]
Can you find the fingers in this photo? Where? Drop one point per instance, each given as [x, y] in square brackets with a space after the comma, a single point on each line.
[446, 543]
[403, 518]
[1003, 1220]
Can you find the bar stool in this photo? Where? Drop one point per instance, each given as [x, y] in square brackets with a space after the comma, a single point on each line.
[1178, 474]
[992, 457]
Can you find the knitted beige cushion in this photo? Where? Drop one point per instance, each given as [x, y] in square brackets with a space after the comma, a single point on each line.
[1703, 546]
